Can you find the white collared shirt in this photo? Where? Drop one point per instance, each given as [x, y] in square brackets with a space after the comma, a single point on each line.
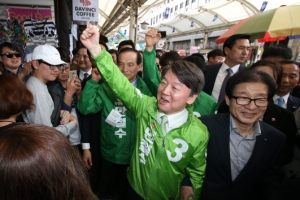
[81, 73]
[285, 97]
[175, 120]
[220, 78]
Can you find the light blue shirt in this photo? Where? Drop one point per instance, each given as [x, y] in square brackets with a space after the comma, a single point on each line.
[241, 147]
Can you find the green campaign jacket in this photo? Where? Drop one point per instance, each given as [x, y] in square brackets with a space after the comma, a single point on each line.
[116, 143]
[159, 163]
[203, 105]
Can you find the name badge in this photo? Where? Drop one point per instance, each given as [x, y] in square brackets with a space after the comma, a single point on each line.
[113, 118]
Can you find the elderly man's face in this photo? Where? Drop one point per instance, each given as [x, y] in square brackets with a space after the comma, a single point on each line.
[247, 115]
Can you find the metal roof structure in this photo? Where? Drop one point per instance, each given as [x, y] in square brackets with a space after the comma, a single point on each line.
[115, 14]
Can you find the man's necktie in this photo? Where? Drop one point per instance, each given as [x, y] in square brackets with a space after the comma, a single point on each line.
[85, 75]
[163, 124]
[280, 101]
[222, 91]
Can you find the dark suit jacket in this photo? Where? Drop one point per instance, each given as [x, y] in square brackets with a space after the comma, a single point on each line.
[211, 75]
[259, 177]
[90, 133]
[293, 103]
[281, 119]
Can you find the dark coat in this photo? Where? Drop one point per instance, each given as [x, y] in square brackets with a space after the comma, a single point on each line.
[293, 103]
[259, 178]
[211, 75]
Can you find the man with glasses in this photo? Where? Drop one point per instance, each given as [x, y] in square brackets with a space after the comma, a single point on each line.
[10, 59]
[243, 153]
[46, 62]
[84, 63]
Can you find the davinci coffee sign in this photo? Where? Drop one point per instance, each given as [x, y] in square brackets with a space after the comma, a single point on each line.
[85, 10]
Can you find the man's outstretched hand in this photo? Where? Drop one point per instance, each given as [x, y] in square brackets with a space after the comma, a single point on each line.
[152, 37]
[90, 39]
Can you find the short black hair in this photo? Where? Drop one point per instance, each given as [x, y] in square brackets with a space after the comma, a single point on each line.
[168, 58]
[75, 51]
[250, 76]
[230, 41]
[111, 51]
[275, 66]
[188, 74]
[126, 42]
[9, 45]
[197, 61]
[64, 54]
[277, 51]
[138, 55]
[290, 62]
[159, 50]
[199, 55]
[214, 53]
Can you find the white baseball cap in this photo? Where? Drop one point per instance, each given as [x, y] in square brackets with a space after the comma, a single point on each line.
[48, 54]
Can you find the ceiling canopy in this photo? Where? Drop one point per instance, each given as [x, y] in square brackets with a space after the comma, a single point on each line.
[210, 16]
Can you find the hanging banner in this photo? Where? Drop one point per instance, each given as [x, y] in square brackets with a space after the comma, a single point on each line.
[263, 6]
[85, 10]
[22, 13]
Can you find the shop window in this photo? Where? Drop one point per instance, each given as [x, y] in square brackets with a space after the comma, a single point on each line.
[176, 8]
[181, 5]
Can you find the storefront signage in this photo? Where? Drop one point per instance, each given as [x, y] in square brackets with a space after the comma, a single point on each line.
[24, 13]
[85, 10]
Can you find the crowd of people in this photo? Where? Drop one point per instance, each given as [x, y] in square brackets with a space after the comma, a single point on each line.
[149, 125]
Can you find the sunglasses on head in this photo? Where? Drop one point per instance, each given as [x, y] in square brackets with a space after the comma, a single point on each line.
[10, 55]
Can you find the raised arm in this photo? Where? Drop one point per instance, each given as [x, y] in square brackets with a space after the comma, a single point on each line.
[151, 75]
[132, 97]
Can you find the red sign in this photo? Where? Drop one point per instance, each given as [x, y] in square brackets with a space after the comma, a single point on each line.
[24, 13]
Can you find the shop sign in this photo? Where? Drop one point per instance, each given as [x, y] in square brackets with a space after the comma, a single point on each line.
[21, 14]
[85, 10]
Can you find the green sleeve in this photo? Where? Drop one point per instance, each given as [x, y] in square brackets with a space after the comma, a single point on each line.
[204, 105]
[197, 166]
[132, 97]
[90, 100]
[151, 75]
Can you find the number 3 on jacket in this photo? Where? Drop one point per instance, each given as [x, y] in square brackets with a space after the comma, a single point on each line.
[184, 147]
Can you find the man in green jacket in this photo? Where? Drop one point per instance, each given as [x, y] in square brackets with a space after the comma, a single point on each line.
[170, 141]
[204, 103]
[117, 125]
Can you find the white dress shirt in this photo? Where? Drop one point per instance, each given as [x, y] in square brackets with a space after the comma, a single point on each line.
[81, 73]
[220, 78]
[175, 120]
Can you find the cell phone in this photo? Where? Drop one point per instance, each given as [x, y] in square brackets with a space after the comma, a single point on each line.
[163, 34]
[72, 73]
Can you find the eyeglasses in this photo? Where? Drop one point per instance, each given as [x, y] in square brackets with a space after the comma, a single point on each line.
[259, 102]
[52, 67]
[10, 55]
